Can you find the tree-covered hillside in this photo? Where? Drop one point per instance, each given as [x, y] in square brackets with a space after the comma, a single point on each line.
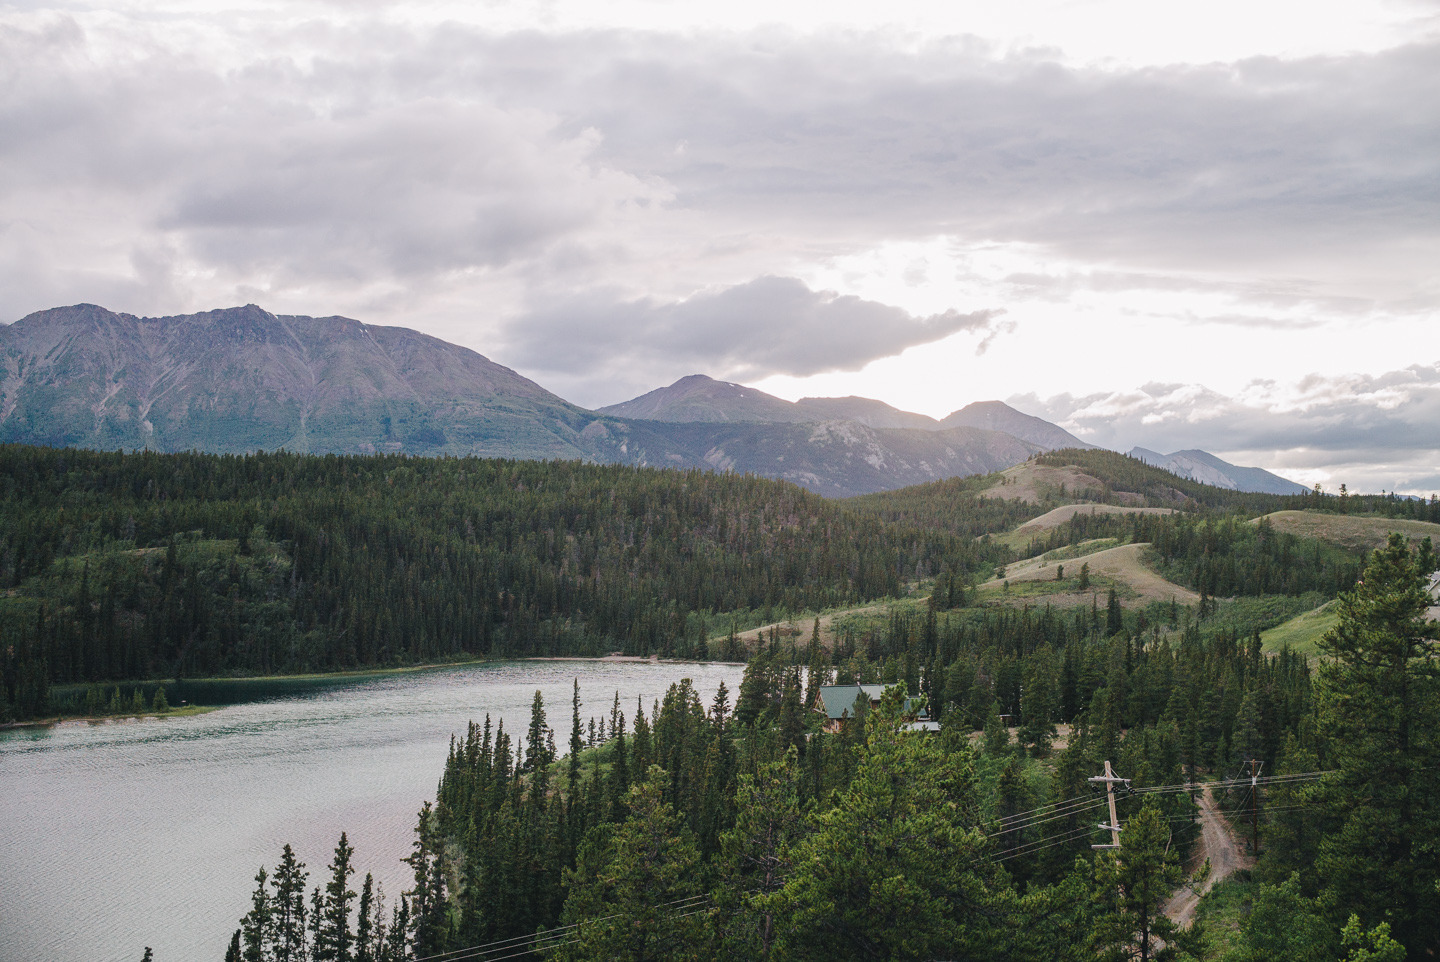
[747, 831]
[125, 566]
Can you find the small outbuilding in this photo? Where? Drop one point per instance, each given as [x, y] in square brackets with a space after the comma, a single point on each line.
[837, 702]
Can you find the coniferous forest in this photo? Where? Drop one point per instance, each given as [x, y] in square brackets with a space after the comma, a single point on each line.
[741, 828]
[133, 566]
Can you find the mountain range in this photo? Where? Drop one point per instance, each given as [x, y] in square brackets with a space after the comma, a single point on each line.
[242, 379]
[1207, 469]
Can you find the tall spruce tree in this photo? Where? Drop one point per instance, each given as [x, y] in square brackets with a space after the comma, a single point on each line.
[1377, 701]
[255, 928]
[289, 907]
[1130, 887]
[637, 896]
[335, 942]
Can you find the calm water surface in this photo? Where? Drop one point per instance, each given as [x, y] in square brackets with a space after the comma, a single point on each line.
[149, 832]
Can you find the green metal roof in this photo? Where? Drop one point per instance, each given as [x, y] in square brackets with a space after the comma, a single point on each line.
[837, 700]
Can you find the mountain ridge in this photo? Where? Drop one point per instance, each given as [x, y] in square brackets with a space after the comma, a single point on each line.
[1205, 467]
[241, 379]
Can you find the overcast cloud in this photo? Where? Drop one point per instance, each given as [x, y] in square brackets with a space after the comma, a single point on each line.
[771, 325]
[927, 214]
[1370, 432]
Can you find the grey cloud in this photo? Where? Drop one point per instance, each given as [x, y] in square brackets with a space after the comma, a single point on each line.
[330, 174]
[433, 149]
[1383, 430]
[1220, 164]
[771, 325]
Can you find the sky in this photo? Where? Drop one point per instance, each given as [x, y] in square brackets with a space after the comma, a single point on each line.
[1190, 225]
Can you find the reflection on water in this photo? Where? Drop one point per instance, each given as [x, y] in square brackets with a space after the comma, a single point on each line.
[148, 832]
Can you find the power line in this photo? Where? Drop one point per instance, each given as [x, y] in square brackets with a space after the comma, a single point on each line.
[547, 940]
[484, 948]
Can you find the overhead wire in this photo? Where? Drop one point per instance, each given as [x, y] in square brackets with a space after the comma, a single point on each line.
[476, 951]
[1020, 821]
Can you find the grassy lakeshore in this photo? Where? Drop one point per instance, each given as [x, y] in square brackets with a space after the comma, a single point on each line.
[193, 696]
[186, 711]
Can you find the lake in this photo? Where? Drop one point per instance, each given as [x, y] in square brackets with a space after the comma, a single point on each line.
[144, 832]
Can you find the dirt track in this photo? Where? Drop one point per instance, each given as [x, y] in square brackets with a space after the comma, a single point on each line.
[1058, 516]
[1122, 564]
[805, 626]
[1226, 855]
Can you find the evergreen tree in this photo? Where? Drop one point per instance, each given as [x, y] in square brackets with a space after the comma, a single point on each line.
[426, 908]
[638, 899]
[1131, 885]
[756, 861]
[997, 736]
[1378, 705]
[288, 904]
[577, 743]
[364, 930]
[335, 941]
[1114, 615]
[537, 750]
[890, 871]
[791, 722]
[255, 927]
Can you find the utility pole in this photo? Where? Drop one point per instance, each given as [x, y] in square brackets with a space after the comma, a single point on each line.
[1255, 767]
[1110, 780]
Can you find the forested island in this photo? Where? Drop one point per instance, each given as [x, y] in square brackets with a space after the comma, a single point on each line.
[742, 828]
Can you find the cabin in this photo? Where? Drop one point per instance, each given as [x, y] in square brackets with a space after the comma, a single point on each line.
[836, 702]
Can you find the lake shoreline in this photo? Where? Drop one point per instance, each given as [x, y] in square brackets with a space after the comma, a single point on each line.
[187, 711]
[320, 677]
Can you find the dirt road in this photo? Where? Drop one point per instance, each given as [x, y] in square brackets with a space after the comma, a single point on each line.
[1122, 564]
[805, 626]
[1226, 855]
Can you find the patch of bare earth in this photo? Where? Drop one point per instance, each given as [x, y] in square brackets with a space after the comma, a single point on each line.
[1122, 565]
[1028, 480]
[1057, 517]
[800, 630]
[1226, 854]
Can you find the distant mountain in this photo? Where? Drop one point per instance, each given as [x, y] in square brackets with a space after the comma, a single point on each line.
[700, 398]
[1208, 469]
[863, 410]
[833, 458]
[999, 416]
[242, 379]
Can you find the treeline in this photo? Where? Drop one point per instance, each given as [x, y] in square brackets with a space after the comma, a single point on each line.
[146, 565]
[1211, 697]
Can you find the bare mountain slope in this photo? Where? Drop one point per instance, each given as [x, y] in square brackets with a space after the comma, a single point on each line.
[1206, 468]
[241, 379]
[999, 416]
[700, 398]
